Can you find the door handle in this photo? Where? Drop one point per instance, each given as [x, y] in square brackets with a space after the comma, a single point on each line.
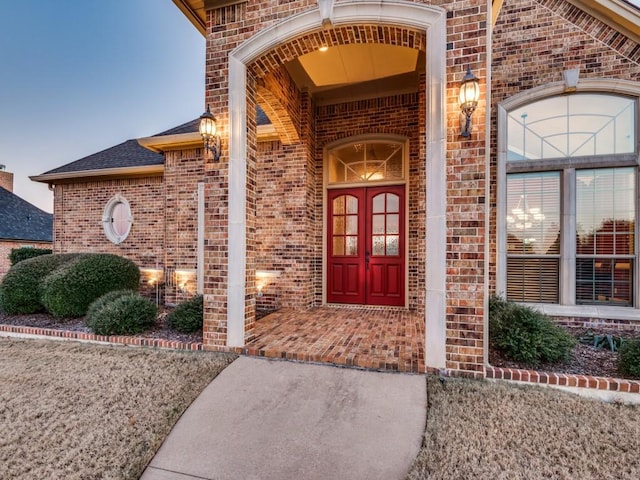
[366, 259]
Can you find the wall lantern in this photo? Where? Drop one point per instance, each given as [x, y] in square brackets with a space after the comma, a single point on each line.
[208, 132]
[469, 95]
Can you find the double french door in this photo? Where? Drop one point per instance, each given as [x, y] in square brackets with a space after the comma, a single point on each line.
[366, 246]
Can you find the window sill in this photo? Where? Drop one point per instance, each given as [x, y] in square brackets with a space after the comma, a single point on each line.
[588, 311]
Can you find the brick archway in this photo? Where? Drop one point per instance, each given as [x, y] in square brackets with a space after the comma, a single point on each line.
[274, 86]
[400, 23]
[355, 33]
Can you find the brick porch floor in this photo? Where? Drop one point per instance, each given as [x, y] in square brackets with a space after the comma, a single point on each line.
[372, 338]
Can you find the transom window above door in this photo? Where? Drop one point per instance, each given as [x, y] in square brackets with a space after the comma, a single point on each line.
[367, 162]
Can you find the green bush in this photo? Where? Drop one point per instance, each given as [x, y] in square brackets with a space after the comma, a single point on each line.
[630, 358]
[21, 288]
[69, 290]
[187, 317]
[127, 313]
[525, 335]
[24, 253]
[105, 299]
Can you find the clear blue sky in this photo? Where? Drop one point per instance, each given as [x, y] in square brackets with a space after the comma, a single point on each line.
[77, 77]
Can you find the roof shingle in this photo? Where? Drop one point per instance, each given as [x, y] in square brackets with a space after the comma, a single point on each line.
[132, 154]
[126, 154]
[20, 220]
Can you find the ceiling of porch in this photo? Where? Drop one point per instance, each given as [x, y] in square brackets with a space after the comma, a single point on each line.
[356, 71]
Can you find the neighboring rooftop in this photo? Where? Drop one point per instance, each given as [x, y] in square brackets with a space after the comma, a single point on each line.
[19, 220]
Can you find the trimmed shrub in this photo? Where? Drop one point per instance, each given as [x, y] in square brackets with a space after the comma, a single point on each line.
[187, 317]
[69, 290]
[21, 287]
[105, 299]
[24, 253]
[630, 358]
[125, 314]
[525, 335]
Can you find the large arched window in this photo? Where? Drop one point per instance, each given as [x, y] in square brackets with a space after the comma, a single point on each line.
[569, 126]
[568, 200]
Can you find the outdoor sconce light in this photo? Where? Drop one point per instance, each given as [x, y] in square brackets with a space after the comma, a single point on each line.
[154, 276]
[264, 278]
[185, 281]
[208, 132]
[468, 97]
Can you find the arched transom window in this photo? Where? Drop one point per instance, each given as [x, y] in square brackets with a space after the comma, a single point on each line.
[366, 162]
[569, 126]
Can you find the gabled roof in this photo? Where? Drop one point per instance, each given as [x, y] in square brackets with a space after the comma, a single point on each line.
[19, 220]
[130, 157]
[189, 127]
[126, 154]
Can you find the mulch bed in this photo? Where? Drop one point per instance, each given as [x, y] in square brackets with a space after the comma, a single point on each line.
[586, 359]
[42, 320]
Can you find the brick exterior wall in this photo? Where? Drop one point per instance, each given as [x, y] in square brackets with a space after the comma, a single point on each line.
[284, 194]
[6, 180]
[78, 210]
[228, 27]
[558, 37]
[466, 182]
[183, 170]
[533, 42]
[7, 245]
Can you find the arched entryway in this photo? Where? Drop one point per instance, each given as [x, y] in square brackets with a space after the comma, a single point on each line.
[253, 65]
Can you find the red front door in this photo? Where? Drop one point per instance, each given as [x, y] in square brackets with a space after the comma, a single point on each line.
[365, 261]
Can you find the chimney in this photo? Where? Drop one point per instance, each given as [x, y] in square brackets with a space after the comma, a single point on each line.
[6, 179]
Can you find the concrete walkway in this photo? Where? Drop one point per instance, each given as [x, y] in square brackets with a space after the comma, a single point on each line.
[262, 419]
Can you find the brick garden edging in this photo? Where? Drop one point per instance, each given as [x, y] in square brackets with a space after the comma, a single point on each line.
[494, 373]
[563, 379]
[90, 337]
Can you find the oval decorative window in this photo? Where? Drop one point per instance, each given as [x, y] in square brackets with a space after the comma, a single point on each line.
[117, 219]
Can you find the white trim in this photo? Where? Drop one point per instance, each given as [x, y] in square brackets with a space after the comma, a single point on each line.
[107, 219]
[436, 196]
[237, 243]
[390, 12]
[102, 172]
[487, 193]
[567, 287]
[595, 85]
[162, 143]
[607, 312]
[619, 15]
[200, 254]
